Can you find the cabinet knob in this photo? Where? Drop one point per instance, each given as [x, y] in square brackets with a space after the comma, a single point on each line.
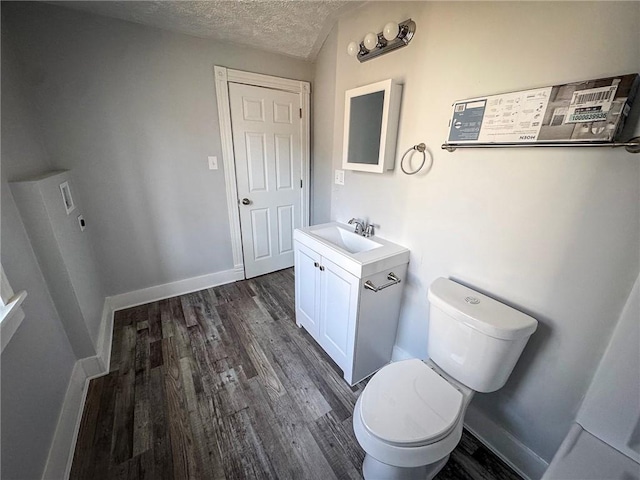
[321, 268]
[316, 264]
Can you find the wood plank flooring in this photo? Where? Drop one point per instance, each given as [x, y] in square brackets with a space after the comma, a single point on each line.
[221, 384]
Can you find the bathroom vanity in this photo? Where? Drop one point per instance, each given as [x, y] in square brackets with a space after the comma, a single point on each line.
[348, 293]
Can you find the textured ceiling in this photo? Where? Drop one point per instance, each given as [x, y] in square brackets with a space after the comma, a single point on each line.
[294, 28]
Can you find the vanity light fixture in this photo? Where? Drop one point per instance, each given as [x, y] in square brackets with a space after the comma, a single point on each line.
[393, 36]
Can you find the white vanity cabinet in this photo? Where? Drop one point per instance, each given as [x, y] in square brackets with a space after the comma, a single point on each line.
[354, 325]
[326, 303]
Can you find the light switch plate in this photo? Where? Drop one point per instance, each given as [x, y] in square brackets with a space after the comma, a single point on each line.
[213, 163]
[339, 177]
[81, 223]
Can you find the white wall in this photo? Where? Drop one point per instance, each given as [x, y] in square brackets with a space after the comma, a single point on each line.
[554, 232]
[615, 419]
[65, 256]
[131, 111]
[36, 364]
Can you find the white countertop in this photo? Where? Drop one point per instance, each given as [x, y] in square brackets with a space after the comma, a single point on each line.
[360, 264]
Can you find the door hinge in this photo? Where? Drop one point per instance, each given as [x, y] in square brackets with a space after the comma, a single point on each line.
[300, 183]
[300, 113]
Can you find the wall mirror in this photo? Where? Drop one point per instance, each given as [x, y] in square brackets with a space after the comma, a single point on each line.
[371, 126]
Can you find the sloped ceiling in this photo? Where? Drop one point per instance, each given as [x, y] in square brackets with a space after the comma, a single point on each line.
[296, 27]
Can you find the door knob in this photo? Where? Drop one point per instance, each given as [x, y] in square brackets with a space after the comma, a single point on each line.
[246, 201]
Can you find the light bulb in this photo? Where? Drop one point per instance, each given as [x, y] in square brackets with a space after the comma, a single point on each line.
[370, 41]
[390, 31]
[353, 49]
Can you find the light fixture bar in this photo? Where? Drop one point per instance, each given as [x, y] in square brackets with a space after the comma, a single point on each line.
[406, 30]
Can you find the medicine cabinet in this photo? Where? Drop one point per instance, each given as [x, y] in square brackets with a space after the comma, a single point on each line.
[371, 126]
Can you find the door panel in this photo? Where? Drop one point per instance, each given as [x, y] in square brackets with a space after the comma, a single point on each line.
[260, 233]
[256, 161]
[267, 145]
[338, 307]
[285, 228]
[253, 109]
[282, 112]
[284, 162]
[307, 289]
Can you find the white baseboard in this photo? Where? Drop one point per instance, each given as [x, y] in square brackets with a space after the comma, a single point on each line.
[99, 364]
[58, 464]
[400, 354]
[159, 292]
[106, 336]
[511, 450]
[60, 458]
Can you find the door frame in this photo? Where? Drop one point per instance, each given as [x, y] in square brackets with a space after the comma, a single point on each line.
[223, 76]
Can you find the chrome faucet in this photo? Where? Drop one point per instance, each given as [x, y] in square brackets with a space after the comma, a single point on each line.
[359, 226]
[362, 228]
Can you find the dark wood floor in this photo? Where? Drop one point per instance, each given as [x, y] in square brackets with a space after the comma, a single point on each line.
[221, 384]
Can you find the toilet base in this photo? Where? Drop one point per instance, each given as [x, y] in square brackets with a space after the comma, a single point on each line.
[373, 469]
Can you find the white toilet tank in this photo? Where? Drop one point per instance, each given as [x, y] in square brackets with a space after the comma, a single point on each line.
[474, 338]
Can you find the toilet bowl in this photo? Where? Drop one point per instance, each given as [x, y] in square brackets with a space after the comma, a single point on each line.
[408, 420]
[410, 416]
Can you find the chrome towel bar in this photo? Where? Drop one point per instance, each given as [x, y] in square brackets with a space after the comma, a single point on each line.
[632, 146]
[393, 281]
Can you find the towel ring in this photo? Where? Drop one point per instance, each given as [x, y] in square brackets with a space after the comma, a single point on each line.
[421, 147]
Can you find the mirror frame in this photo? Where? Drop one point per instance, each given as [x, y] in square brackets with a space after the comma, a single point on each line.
[388, 132]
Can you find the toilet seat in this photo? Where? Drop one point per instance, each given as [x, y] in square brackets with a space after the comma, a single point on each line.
[408, 404]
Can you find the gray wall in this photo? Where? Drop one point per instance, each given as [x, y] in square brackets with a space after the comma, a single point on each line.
[37, 362]
[554, 232]
[131, 111]
[323, 115]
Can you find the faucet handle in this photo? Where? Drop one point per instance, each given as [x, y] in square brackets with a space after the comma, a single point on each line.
[359, 226]
[369, 231]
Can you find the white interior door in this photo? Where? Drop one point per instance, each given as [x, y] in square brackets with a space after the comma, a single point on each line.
[267, 146]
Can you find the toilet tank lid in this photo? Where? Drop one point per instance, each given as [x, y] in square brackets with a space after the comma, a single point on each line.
[480, 312]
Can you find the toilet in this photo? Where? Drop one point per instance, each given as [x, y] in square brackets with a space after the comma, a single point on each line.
[409, 417]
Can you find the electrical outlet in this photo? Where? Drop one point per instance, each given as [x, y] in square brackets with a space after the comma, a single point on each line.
[213, 163]
[82, 223]
[339, 177]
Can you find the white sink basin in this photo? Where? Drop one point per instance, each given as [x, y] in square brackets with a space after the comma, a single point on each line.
[356, 254]
[345, 239]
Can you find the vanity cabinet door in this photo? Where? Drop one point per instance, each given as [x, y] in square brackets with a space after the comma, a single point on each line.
[307, 289]
[338, 312]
